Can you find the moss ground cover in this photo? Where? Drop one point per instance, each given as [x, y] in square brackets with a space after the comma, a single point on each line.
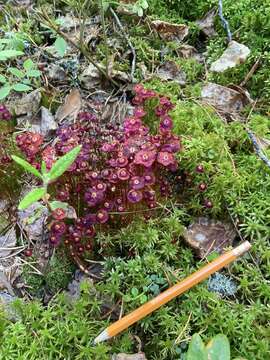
[148, 255]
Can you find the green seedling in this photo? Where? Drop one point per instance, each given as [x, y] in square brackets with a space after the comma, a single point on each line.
[58, 169]
[19, 80]
[217, 349]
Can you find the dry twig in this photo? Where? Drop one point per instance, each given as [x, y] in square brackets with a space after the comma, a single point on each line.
[133, 66]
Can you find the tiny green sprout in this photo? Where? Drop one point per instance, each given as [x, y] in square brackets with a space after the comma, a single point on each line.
[218, 348]
[58, 169]
[19, 80]
[60, 46]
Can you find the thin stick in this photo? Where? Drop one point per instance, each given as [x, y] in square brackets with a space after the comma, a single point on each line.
[104, 37]
[257, 148]
[133, 65]
[224, 21]
[251, 72]
[177, 340]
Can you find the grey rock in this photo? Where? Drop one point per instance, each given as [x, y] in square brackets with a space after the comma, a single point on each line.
[56, 73]
[234, 55]
[47, 122]
[7, 241]
[90, 77]
[32, 221]
[6, 301]
[139, 356]
[28, 105]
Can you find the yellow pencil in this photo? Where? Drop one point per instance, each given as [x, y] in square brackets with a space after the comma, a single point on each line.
[172, 292]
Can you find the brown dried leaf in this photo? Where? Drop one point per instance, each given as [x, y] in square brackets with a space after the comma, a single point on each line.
[169, 31]
[189, 52]
[170, 71]
[226, 100]
[206, 24]
[207, 235]
[71, 107]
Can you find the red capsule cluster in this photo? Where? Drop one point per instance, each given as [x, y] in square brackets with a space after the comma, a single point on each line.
[5, 113]
[122, 169]
[30, 144]
[202, 187]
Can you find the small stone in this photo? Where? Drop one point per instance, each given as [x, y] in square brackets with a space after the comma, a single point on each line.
[139, 356]
[234, 55]
[90, 77]
[28, 104]
[7, 241]
[47, 122]
[56, 73]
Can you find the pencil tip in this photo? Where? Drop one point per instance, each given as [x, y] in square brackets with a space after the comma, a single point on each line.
[102, 337]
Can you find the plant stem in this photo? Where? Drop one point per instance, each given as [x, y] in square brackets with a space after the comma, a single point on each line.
[133, 66]
[81, 48]
[105, 38]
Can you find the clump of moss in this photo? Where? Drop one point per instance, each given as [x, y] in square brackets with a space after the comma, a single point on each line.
[56, 276]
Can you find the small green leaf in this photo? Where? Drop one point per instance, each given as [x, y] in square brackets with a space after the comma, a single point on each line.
[31, 197]
[219, 348]
[214, 255]
[21, 87]
[144, 4]
[4, 91]
[61, 46]
[28, 64]
[140, 11]
[16, 72]
[62, 164]
[26, 81]
[105, 5]
[8, 54]
[196, 349]
[134, 292]
[58, 204]
[28, 167]
[33, 73]
[143, 299]
[3, 80]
